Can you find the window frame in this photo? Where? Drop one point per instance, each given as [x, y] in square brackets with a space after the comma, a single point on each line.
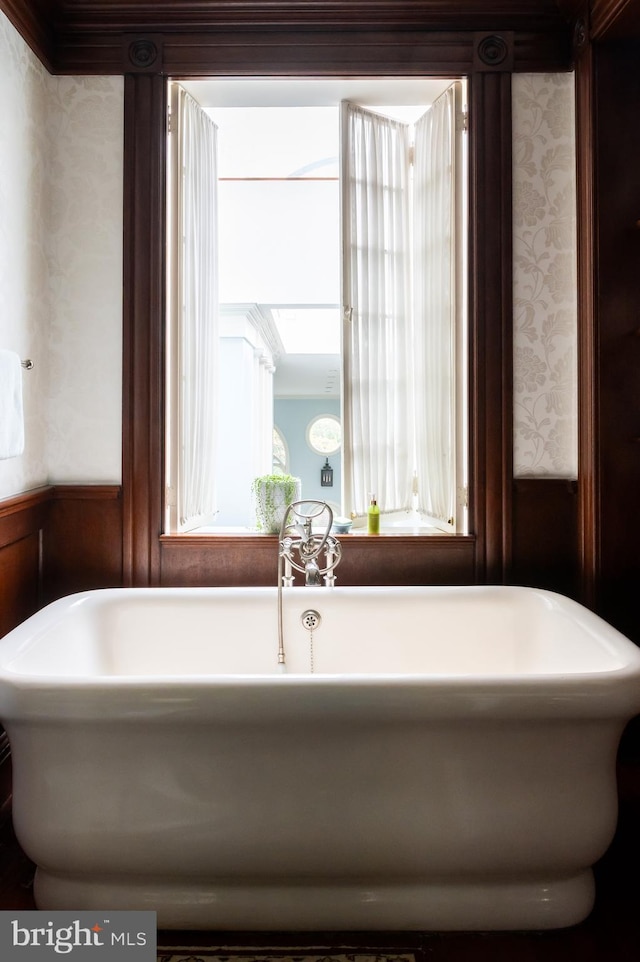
[455, 517]
[309, 428]
[149, 557]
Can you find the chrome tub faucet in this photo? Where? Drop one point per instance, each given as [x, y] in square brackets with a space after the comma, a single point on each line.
[300, 547]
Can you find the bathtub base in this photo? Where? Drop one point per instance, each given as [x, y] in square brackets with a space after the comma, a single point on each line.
[287, 905]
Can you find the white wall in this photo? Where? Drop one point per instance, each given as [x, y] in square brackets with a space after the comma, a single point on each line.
[61, 168]
[24, 294]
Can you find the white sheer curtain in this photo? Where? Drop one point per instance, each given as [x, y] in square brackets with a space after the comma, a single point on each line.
[196, 299]
[378, 428]
[435, 308]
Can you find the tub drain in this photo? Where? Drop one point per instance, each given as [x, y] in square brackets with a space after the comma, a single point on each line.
[310, 619]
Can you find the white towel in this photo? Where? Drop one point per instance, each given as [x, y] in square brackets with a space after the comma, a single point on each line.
[11, 413]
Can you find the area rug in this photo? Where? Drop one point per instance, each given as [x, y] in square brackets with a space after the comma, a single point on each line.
[203, 954]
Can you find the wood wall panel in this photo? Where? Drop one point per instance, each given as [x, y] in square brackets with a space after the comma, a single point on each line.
[366, 560]
[19, 581]
[83, 540]
[617, 133]
[22, 520]
[415, 561]
[545, 535]
[54, 541]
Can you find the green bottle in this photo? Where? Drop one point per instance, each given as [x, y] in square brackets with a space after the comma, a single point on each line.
[373, 517]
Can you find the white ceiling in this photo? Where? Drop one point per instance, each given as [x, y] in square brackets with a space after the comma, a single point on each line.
[314, 92]
[307, 375]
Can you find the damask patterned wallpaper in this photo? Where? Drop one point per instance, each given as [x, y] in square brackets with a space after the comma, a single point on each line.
[545, 295]
[61, 150]
[85, 123]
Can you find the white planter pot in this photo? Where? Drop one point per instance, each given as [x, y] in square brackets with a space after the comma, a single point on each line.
[272, 497]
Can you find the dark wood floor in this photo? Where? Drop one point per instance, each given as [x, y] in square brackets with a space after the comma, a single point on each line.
[610, 934]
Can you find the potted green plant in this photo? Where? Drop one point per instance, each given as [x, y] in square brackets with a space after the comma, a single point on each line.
[272, 494]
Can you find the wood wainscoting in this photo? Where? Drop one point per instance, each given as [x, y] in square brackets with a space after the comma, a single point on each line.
[22, 522]
[83, 541]
[544, 535]
[226, 560]
[54, 540]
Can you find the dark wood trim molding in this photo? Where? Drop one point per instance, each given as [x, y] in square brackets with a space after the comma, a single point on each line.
[192, 38]
[493, 51]
[85, 492]
[13, 511]
[143, 345]
[150, 560]
[609, 15]
[491, 351]
[190, 15]
[33, 21]
[588, 435]
[254, 52]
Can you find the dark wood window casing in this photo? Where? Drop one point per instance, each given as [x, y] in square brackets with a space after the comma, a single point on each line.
[487, 59]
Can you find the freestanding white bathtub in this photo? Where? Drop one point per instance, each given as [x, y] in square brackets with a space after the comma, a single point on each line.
[449, 765]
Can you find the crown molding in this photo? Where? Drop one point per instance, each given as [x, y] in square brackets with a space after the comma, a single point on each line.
[615, 19]
[34, 22]
[136, 15]
[95, 36]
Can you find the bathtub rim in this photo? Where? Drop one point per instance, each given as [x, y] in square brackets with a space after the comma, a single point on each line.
[604, 692]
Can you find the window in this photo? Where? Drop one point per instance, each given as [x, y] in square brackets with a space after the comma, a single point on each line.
[324, 434]
[280, 453]
[381, 358]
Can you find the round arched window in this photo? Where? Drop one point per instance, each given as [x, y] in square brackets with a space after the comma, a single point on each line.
[324, 434]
